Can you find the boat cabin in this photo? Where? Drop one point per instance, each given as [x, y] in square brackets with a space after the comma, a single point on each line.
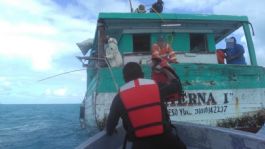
[192, 37]
[213, 92]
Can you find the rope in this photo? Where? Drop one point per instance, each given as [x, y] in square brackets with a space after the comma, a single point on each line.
[60, 74]
[162, 19]
[158, 15]
[105, 59]
[109, 67]
[111, 73]
[131, 6]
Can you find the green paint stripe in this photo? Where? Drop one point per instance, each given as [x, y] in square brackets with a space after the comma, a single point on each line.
[199, 77]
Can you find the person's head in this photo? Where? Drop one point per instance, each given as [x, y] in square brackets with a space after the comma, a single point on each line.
[106, 39]
[112, 40]
[132, 71]
[159, 1]
[141, 8]
[230, 42]
[161, 41]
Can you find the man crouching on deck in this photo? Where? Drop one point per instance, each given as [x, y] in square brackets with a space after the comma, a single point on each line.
[140, 105]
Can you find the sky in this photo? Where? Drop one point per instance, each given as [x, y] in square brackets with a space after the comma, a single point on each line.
[38, 40]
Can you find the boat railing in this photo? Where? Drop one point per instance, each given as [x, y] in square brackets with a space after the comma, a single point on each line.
[182, 57]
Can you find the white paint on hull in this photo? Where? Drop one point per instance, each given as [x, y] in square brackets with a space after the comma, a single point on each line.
[181, 57]
[90, 110]
[199, 106]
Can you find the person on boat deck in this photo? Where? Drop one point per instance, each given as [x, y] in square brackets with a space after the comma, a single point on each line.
[113, 54]
[162, 72]
[157, 7]
[140, 9]
[140, 105]
[234, 52]
[162, 52]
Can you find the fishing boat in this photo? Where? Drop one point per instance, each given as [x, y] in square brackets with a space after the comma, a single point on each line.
[213, 92]
[195, 136]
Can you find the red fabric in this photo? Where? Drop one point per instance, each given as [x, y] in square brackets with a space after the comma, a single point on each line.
[160, 77]
[140, 95]
[166, 54]
[220, 56]
[151, 131]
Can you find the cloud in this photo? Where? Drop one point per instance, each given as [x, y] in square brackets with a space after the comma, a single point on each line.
[5, 85]
[39, 32]
[96, 6]
[38, 40]
[190, 5]
[56, 92]
[4, 81]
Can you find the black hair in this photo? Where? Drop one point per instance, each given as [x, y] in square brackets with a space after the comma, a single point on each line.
[234, 39]
[132, 71]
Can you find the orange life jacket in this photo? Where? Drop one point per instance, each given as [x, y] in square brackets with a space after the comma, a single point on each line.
[141, 99]
[220, 56]
[166, 54]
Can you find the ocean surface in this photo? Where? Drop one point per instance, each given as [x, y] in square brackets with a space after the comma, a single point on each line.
[41, 127]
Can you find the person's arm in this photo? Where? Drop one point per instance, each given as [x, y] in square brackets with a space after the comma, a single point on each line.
[168, 89]
[239, 52]
[114, 115]
[172, 55]
[155, 52]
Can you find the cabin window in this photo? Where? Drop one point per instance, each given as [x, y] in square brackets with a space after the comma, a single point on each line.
[198, 43]
[141, 43]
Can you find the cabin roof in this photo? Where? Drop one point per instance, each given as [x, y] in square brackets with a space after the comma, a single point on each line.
[220, 25]
[172, 16]
[117, 24]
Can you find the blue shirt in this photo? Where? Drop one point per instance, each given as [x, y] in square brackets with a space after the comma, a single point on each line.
[235, 55]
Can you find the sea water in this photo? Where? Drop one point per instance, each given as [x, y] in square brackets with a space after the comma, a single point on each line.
[41, 127]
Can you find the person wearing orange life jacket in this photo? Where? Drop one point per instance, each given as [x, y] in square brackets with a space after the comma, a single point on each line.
[162, 52]
[139, 104]
[162, 55]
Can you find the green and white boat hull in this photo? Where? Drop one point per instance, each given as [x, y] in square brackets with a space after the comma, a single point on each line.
[212, 93]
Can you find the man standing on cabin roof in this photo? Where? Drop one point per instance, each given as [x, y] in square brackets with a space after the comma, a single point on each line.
[140, 9]
[140, 105]
[157, 7]
[113, 54]
[234, 53]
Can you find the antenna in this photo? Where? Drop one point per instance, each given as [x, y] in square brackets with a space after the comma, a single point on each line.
[131, 5]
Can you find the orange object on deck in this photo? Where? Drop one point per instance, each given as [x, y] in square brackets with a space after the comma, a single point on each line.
[220, 56]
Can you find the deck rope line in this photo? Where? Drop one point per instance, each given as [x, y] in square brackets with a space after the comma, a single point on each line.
[163, 21]
[111, 73]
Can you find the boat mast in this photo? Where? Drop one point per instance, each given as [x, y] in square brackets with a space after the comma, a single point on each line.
[131, 5]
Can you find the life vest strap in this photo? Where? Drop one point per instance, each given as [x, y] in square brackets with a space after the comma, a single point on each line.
[149, 125]
[144, 106]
